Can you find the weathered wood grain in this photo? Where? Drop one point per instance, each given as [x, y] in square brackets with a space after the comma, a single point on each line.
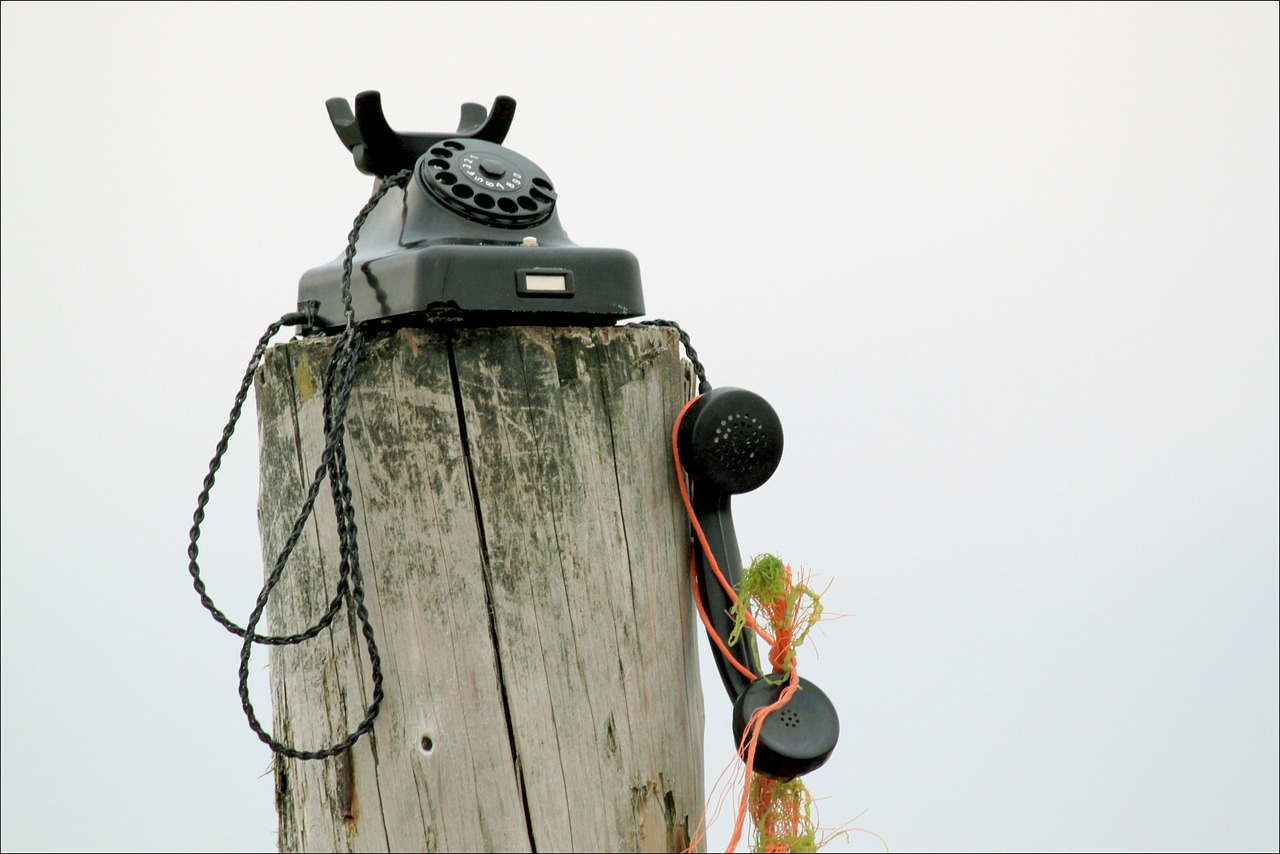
[524, 557]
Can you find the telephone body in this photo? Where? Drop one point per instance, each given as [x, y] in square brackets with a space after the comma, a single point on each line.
[473, 237]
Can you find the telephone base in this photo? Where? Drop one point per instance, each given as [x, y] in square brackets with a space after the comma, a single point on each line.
[478, 285]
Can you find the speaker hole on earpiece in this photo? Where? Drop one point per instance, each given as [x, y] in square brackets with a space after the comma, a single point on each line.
[426, 744]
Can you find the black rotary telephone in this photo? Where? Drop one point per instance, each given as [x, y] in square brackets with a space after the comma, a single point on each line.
[730, 442]
[460, 230]
[473, 238]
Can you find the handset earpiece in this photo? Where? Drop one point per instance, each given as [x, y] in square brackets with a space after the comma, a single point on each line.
[730, 442]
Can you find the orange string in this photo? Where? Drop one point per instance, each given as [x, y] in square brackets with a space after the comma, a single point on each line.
[706, 621]
[750, 739]
[780, 647]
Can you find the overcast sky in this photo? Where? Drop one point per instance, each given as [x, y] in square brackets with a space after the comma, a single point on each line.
[1008, 273]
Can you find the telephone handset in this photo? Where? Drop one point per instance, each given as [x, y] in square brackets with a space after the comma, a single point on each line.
[730, 442]
[473, 238]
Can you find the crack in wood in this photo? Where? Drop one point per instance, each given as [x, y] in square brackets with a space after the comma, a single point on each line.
[488, 595]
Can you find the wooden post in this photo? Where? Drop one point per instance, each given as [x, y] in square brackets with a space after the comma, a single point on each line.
[525, 561]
